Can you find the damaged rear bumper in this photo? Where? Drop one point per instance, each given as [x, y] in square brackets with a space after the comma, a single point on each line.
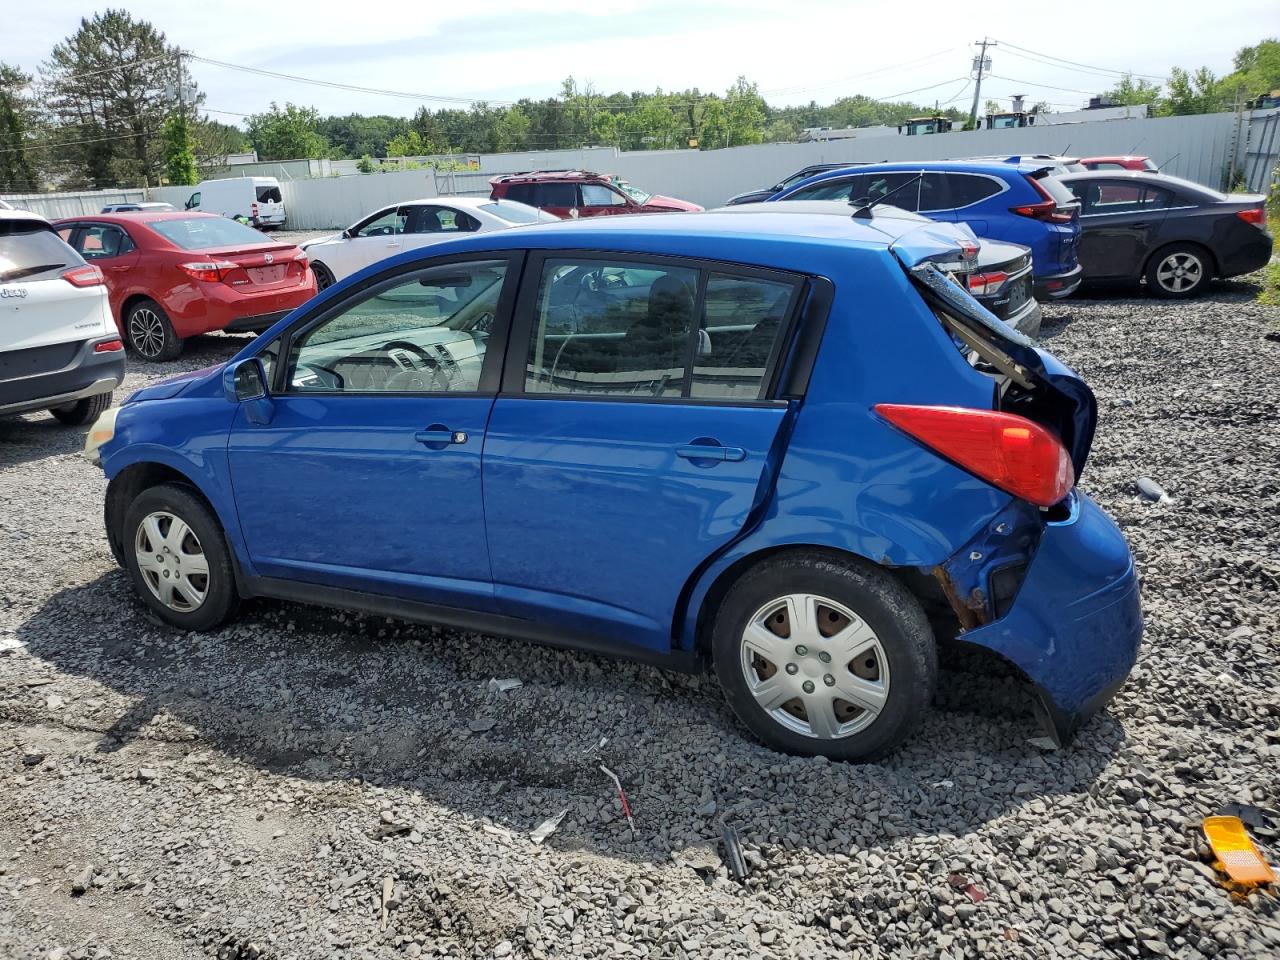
[1075, 626]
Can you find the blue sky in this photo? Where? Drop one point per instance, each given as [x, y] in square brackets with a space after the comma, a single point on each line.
[822, 49]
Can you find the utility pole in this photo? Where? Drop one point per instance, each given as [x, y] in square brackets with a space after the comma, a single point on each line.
[981, 63]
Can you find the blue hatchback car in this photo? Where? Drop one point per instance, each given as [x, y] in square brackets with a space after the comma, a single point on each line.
[1014, 202]
[780, 447]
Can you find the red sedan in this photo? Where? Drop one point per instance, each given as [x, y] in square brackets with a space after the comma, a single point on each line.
[174, 275]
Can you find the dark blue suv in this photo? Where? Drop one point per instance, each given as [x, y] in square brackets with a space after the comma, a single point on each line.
[1015, 202]
[779, 446]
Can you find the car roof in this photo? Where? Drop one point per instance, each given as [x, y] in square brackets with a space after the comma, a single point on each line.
[1145, 176]
[1114, 156]
[138, 216]
[994, 167]
[9, 215]
[536, 175]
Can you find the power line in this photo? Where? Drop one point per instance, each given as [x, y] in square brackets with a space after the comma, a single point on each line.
[1075, 63]
[1047, 86]
[857, 76]
[121, 66]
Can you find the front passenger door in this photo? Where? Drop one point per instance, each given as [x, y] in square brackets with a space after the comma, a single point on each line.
[378, 237]
[1118, 218]
[365, 473]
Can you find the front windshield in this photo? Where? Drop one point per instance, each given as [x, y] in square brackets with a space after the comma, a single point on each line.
[636, 194]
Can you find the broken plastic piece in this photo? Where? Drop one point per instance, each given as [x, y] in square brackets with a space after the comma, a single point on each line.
[734, 857]
[497, 685]
[1235, 850]
[547, 827]
[1148, 489]
[622, 795]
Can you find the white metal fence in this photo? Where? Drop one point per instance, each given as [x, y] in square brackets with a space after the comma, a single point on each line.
[1261, 151]
[1198, 148]
[54, 205]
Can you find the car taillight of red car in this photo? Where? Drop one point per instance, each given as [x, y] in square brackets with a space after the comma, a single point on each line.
[209, 271]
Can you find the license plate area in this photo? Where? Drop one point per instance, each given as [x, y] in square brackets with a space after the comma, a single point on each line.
[267, 275]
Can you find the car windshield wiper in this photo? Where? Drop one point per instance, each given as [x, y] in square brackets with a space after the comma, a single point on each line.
[29, 271]
[862, 207]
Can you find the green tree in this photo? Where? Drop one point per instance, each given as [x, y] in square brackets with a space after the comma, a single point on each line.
[17, 166]
[107, 90]
[179, 152]
[1131, 92]
[213, 140]
[291, 133]
[1198, 92]
[1257, 69]
[408, 144]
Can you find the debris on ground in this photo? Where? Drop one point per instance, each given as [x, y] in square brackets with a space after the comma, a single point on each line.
[622, 796]
[734, 859]
[482, 725]
[547, 827]
[497, 685]
[1238, 856]
[83, 881]
[1148, 489]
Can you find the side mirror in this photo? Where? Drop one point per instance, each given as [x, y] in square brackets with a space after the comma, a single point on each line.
[245, 380]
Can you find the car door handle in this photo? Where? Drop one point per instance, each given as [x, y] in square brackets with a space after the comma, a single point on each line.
[436, 434]
[710, 451]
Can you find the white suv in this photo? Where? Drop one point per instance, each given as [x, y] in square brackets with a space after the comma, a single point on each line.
[59, 348]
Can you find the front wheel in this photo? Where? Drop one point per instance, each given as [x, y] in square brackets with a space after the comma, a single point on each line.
[820, 655]
[1179, 271]
[80, 412]
[178, 558]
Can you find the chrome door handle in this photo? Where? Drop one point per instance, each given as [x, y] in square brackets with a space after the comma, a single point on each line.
[710, 451]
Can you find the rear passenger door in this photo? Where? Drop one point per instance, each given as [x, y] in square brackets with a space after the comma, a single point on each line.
[631, 435]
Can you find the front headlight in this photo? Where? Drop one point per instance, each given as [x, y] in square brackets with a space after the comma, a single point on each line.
[103, 429]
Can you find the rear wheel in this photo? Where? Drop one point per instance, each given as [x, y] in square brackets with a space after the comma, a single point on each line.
[150, 334]
[178, 558]
[825, 656]
[84, 411]
[1179, 271]
[324, 276]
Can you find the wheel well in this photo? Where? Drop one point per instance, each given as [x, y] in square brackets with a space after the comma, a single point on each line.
[130, 482]
[129, 303]
[923, 587]
[1159, 252]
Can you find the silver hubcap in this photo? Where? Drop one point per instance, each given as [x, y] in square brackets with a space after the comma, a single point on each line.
[172, 562]
[815, 666]
[1179, 272]
[147, 332]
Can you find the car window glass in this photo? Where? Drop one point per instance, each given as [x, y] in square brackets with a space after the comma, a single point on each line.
[194, 201]
[1156, 198]
[523, 193]
[30, 250]
[913, 196]
[598, 195]
[611, 328]
[439, 220]
[849, 189]
[556, 195]
[269, 195]
[101, 241]
[1101, 197]
[742, 320]
[427, 333]
[387, 224]
[65, 233]
[967, 189]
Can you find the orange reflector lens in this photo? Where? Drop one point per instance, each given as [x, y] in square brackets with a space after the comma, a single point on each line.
[1231, 844]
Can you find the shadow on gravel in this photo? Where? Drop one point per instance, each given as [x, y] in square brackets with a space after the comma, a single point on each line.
[328, 696]
[37, 436]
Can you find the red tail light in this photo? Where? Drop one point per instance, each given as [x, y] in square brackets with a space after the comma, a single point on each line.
[210, 271]
[980, 284]
[1046, 210]
[1255, 215]
[1010, 452]
[108, 346]
[253, 210]
[86, 276]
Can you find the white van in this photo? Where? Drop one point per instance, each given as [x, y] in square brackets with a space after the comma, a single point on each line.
[257, 199]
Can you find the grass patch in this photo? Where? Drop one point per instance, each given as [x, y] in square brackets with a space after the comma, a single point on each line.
[1270, 293]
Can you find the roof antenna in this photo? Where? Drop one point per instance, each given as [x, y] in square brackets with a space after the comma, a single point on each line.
[1065, 149]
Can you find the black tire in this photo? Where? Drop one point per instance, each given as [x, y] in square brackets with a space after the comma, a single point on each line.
[220, 597]
[324, 276]
[1164, 278]
[148, 333]
[80, 412]
[885, 605]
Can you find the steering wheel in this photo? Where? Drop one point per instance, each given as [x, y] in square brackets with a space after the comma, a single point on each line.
[416, 370]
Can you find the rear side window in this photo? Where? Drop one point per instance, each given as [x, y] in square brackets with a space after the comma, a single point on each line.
[967, 189]
[30, 250]
[205, 233]
[642, 330]
[522, 192]
[557, 195]
[1101, 197]
[269, 195]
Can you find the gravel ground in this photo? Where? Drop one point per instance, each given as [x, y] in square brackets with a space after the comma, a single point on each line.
[248, 793]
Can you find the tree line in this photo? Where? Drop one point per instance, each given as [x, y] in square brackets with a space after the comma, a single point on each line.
[115, 105]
